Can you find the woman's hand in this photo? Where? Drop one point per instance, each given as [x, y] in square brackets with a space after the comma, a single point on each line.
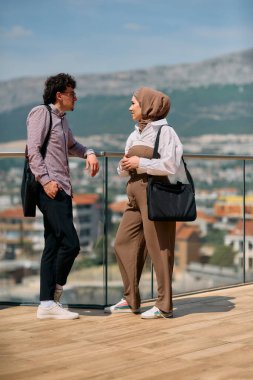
[129, 163]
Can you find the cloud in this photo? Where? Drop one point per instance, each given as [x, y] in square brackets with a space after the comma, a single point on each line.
[15, 32]
[134, 27]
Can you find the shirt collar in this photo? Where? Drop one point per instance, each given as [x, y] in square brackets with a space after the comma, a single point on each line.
[155, 124]
[56, 111]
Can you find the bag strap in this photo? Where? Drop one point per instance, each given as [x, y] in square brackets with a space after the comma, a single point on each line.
[155, 152]
[44, 146]
[157, 155]
[188, 175]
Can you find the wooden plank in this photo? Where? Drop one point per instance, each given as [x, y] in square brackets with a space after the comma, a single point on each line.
[210, 338]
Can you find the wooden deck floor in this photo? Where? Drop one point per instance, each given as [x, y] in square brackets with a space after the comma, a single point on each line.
[210, 338]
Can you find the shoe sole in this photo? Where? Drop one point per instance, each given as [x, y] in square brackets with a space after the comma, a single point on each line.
[157, 317]
[57, 317]
[122, 311]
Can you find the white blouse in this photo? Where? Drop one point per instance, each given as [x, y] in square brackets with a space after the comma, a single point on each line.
[170, 149]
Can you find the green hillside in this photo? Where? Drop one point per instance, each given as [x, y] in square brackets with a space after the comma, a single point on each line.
[195, 111]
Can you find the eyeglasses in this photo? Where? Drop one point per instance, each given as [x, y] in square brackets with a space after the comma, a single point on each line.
[70, 93]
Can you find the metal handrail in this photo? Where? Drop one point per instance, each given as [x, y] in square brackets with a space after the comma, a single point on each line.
[120, 154]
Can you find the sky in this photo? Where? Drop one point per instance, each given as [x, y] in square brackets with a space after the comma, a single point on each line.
[42, 37]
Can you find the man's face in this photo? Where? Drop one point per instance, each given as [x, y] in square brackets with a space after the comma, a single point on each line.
[68, 99]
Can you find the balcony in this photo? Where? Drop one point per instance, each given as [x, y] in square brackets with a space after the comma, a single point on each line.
[213, 252]
[210, 338]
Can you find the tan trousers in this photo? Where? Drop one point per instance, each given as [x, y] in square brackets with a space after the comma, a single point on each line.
[137, 236]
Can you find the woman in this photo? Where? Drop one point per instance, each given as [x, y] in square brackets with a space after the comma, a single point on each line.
[137, 235]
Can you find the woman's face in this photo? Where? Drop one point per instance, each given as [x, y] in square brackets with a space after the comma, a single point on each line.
[135, 109]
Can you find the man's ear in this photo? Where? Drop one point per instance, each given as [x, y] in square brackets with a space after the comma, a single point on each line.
[58, 96]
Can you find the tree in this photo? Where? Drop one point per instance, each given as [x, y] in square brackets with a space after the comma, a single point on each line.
[223, 256]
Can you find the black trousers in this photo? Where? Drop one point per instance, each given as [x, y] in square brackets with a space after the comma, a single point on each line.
[61, 242]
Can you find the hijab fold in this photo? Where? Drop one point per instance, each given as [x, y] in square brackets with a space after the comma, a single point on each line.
[154, 104]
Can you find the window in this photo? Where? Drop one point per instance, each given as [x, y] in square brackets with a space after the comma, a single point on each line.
[85, 219]
[85, 232]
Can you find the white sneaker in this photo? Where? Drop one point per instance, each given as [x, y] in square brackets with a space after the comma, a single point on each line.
[56, 311]
[120, 307]
[155, 313]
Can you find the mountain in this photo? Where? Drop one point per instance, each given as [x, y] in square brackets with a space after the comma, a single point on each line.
[210, 97]
[236, 68]
[196, 111]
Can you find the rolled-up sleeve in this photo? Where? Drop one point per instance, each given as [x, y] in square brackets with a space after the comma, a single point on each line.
[76, 149]
[170, 150]
[121, 172]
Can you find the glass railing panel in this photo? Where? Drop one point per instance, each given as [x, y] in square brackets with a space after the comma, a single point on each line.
[86, 284]
[22, 239]
[205, 254]
[17, 261]
[116, 203]
[208, 251]
[117, 200]
[248, 221]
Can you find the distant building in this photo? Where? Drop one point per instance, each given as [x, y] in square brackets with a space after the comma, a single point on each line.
[87, 212]
[19, 235]
[229, 210]
[205, 222]
[230, 207]
[227, 191]
[187, 248]
[117, 209]
[234, 239]
[6, 200]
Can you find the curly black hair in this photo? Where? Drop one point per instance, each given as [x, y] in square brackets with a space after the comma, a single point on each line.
[57, 83]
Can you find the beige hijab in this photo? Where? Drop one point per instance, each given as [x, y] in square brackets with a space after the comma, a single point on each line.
[154, 105]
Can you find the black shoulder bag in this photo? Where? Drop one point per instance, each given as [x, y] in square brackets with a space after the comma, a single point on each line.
[29, 185]
[170, 202]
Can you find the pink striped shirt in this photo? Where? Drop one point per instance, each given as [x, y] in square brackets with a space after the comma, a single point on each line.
[55, 165]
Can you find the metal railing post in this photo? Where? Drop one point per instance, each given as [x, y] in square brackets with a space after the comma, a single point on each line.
[106, 228]
[152, 281]
[244, 223]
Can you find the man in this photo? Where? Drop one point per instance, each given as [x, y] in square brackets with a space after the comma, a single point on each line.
[55, 191]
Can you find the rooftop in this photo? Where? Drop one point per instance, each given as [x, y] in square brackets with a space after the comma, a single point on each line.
[85, 199]
[209, 338]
